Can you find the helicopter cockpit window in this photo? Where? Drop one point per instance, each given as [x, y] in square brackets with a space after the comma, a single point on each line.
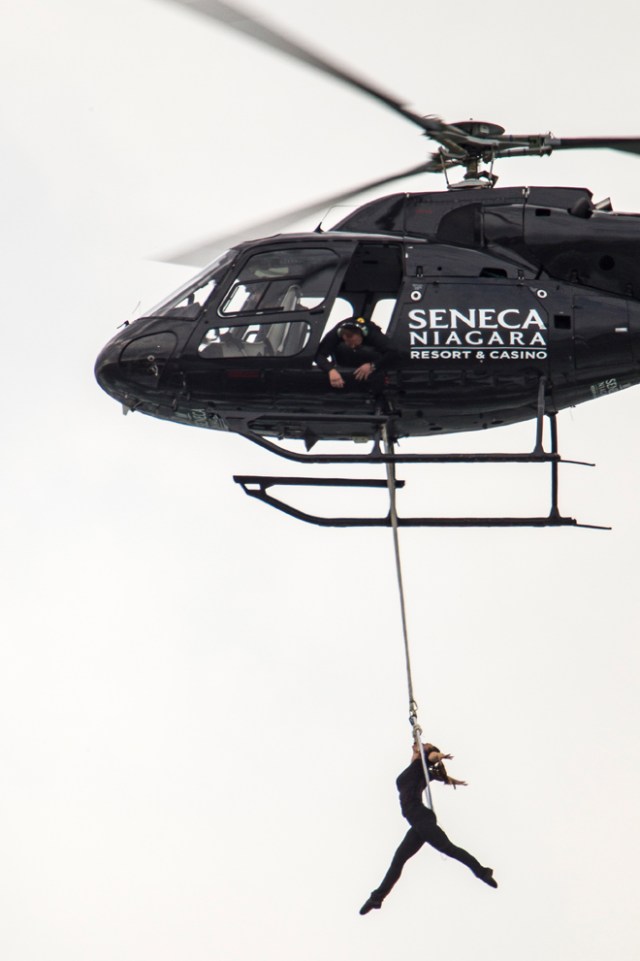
[283, 281]
[190, 305]
[188, 300]
[256, 340]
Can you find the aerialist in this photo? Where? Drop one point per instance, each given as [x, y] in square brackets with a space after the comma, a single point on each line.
[355, 351]
[424, 827]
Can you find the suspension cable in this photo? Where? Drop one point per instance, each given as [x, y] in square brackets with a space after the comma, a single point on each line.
[413, 707]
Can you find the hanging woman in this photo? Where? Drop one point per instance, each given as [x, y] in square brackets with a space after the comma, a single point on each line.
[426, 765]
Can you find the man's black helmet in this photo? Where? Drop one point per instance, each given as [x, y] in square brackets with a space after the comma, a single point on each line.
[354, 323]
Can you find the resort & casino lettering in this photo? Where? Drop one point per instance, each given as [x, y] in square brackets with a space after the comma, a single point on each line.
[481, 333]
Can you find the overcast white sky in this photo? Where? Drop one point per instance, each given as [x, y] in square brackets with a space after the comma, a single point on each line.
[202, 703]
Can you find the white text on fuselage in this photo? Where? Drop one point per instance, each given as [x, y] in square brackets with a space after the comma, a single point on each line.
[483, 333]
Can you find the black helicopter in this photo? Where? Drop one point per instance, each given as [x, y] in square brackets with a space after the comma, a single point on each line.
[502, 304]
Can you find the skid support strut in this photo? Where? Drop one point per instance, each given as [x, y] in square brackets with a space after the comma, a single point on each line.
[261, 487]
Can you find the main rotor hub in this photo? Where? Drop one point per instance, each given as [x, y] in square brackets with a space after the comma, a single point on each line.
[478, 128]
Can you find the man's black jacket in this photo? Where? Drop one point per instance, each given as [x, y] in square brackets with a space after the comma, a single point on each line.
[374, 349]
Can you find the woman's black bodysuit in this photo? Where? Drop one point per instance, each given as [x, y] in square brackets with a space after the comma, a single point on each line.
[424, 830]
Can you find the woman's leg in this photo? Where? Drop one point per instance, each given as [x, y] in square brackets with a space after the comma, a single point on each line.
[410, 845]
[431, 833]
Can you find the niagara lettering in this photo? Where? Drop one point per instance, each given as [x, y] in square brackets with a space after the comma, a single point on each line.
[481, 332]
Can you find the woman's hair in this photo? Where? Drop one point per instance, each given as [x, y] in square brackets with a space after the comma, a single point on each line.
[437, 770]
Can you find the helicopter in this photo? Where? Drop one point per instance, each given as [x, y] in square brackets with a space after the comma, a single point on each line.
[502, 305]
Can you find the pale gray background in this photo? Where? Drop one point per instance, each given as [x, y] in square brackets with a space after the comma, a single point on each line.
[202, 703]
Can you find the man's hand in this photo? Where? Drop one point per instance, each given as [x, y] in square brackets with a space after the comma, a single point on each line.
[363, 372]
[335, 379]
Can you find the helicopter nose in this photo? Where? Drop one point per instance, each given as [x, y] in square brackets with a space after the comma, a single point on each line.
[106, 370]
[125, 365]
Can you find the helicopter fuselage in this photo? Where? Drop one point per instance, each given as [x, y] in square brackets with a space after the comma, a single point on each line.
[482, 292]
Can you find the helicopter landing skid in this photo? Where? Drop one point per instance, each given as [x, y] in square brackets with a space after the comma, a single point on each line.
[259, 486]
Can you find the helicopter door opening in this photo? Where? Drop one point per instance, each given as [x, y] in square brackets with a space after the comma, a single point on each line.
[371, 286]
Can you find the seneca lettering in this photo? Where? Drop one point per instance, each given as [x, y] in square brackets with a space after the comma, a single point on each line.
[435, 330]
[417, 319]
[534, 319]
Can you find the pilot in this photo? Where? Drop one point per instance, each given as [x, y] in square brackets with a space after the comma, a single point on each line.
[424, 827]
[355, 350]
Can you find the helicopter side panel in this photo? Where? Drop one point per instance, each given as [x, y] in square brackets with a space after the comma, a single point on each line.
[600, 251]
[469, 309]
[602, 333]
[455, 323]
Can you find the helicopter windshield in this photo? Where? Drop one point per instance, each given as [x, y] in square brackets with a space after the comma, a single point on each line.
[282, 280]
[189, 299]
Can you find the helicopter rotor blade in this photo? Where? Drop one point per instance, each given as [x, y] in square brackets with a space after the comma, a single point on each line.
[626, 144]
[248, 24]
[204, 253]
[459, 146]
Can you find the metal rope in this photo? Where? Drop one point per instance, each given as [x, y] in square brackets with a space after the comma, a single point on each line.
[413, 707]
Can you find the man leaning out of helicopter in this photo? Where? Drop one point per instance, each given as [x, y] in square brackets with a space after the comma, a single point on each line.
[355, 350]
